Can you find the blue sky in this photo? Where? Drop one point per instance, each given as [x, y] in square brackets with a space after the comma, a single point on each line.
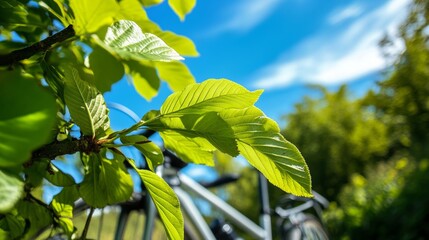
[279, 46]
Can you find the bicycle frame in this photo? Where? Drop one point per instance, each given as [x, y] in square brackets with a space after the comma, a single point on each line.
[189, 185]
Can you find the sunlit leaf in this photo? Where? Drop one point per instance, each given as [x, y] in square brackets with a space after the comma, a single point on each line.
[11, 189]
[150, 150]
[144, 78]
[107, 69]
[260, 142]
[23, 127]
[194, 114]
[183, 45]
[151, 2]
[62, 205]
[210, 96]
[182, 7]
[91, 15]
[132, 10]
[106, 182]
[86, 104]
[208, 130]
[126, 39]
[166, 203]
[176, 74]
[188, 149]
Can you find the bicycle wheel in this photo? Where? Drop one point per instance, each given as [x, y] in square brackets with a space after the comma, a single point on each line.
[303, 226]
[119, 222]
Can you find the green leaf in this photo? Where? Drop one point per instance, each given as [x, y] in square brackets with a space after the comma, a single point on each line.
[38, 216]
[132, 10]
[11, 188]
[208, 130]
[182, 7]
[107, 69]
[55, 80]
[150, 150]
[194, 114]
[56, 8]
[66, 224]
[12, 14]
[35, 172]
[58, 177]
[68, 195]
[176, 74]
[91, 15]
[23, 127]
[144, 77]
[188, 149]
[62, 205]
[86, 104]
[210, 96]
[13, 224]
[150, 2]
[126, 39]
[183, 45]
[106, 182]
[260, 142]
[165, 201]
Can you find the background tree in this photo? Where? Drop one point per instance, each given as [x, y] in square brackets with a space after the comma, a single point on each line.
[338, 136]
[391, 201]
[402, 101]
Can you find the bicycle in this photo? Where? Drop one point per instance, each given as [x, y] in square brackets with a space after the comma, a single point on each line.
[292, 221]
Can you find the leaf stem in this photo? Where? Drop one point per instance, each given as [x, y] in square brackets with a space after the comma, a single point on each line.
[42, 46]
[88, 221]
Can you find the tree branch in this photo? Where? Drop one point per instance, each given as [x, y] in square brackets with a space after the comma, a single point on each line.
[55, 149]
[44, 45]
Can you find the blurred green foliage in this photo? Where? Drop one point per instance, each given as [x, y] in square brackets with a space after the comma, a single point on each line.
[337, 136]
[390, 203]
[402, 101]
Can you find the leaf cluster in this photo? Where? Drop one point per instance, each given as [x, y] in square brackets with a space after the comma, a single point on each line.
[52, 104]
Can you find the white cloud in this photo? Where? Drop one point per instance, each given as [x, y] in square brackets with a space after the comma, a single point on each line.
[344, 14]
[245, 15]
[337, 58]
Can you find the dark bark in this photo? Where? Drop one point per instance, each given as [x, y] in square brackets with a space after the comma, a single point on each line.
[56, 149]
[42, 46]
